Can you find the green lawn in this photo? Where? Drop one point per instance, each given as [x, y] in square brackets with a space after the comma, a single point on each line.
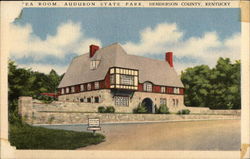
[28, 137]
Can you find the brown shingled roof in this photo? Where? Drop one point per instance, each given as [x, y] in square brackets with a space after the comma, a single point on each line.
[156, 71]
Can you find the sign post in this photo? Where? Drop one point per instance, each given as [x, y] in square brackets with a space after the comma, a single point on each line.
[94, 125]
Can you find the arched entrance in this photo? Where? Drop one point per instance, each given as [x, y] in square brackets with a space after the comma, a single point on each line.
[148, 104]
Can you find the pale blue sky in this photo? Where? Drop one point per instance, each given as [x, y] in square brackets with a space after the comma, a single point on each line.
[123, 25]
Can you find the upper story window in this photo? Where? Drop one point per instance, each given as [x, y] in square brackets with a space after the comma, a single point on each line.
[96, 85]
[127, 80]
[147, 86]
[163, 89]
[62, 91]
[81, 87]
[73, 89]
[176, 90]
[67, 90]
[89, 86]
[123, 78]
[94, 64]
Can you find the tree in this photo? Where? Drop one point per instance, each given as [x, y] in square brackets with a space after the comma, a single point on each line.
[197, 85]
[54, 80]
[217, 88]
[25, 82]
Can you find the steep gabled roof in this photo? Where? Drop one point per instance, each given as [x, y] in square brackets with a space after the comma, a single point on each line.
[156, 71]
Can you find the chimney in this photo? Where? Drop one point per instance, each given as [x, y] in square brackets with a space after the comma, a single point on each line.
[92, 50]
[169, 58]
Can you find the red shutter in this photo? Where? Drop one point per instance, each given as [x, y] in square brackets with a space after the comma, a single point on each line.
[157, 89]
[107, 80]
[102, 84]
[181, 90]
[77, 88]
[140, 87]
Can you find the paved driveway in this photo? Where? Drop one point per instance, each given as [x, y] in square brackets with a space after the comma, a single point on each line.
[195, 135]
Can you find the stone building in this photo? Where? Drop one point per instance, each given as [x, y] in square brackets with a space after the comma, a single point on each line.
[110, 77]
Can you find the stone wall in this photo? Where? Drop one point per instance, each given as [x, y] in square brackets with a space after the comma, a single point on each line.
[35, 112]
[82, 118]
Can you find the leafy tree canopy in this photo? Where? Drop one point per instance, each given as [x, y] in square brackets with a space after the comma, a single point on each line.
[216, 88]
[25, 82]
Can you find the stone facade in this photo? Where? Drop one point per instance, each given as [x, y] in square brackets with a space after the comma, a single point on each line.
[106, 99]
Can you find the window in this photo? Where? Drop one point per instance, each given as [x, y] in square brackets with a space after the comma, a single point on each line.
[81, 100]
[96, 99]
[89, 86]
[176, 90]
[89, 100]
[176, 102]
[94, 64]
[96, 85]
[72, 89]
[112, 79]
[112, 70]
[67, 90]
[121, 101]
[62, 91]
[163, 101]
[163, 89]
[147, 87]
[173, 102]
[82, 87]
[127, 80]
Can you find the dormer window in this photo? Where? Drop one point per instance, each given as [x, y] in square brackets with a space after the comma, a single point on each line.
[89, 86]
[67, 90]
[96, 85]
[62, 91]
[176, 90]
[147, 86]
[163, 89]
[73, 89]
[94, 64]
[82, 87]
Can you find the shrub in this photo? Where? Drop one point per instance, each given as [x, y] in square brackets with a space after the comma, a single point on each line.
[184, 111]
[101, 109]
[140, 108]
[110, 109]
[163, 109]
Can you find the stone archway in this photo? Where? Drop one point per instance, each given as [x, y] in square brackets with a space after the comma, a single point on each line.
[149, 105]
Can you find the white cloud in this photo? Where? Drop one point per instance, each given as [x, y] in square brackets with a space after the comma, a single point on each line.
[154, 40]
[45, 68]
[69, 38]
[167, 37]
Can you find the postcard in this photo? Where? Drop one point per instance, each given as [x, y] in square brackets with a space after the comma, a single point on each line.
[125, 79]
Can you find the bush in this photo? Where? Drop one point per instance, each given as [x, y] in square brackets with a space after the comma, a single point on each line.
[184, 111]
[101, 109]
[163, 109]
[140, 109]
[110, 109]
